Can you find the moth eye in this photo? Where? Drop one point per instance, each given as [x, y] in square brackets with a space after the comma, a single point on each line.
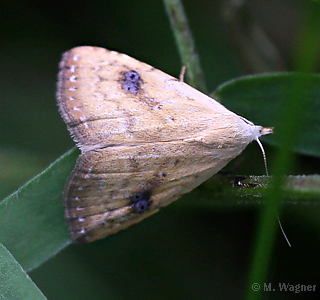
[131, 82]
[141, 202]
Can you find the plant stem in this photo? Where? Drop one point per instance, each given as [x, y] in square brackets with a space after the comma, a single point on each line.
[185, 43]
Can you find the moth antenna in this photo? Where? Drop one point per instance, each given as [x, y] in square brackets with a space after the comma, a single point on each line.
[183, 71]
[264, 156]
[284, 234]
[266, 167]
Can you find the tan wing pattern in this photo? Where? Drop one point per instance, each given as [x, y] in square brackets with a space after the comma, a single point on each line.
[145, 137]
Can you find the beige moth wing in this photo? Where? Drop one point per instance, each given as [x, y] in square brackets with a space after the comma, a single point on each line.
[145, 137]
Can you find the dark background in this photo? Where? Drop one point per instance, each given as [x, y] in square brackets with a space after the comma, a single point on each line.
[188, 254]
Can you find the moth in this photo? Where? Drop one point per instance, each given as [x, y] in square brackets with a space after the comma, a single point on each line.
[146, 138]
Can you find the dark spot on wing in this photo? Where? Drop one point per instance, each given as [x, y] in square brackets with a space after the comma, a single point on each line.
[141, 201]
[161, 174]
[131, 82]
[176, 161]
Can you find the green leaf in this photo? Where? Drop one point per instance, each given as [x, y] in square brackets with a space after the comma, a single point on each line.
[261, 98]
[14, 282]
[31, 219]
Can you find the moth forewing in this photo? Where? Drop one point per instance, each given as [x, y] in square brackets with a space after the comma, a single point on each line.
[146, 139]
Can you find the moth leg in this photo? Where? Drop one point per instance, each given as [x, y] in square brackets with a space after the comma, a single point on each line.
[183, 71]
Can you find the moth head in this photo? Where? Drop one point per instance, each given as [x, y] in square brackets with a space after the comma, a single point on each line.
[264, 131]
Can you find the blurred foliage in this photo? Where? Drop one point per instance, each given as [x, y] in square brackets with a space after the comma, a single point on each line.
[185, 251]
[15, 283]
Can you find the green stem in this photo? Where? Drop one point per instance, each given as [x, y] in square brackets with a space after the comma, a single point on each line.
[185, 43]
[254, 190]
